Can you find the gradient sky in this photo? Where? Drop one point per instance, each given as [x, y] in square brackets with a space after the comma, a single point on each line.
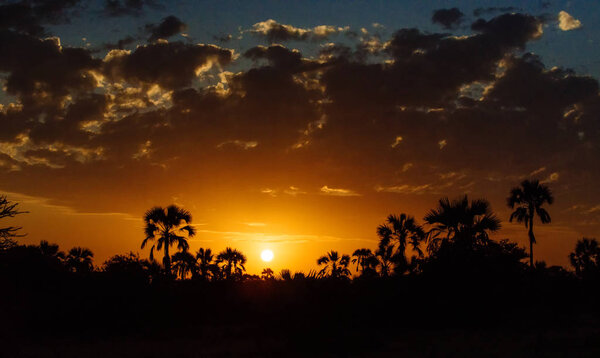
[294, 126]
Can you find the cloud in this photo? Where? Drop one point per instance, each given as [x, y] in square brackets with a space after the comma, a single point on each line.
[238, 143]
[448, 18]
[404, 189]
[31, 16]
[325, 190]
[566, 22]
[169, 26]
[537, 171]
[170, 65]
[490, 10]
[276, 32]
[553, 177]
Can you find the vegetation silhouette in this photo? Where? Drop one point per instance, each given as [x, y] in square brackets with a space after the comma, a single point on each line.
[267, 274]
[80, 260]
[446, 280]
[9, 209]
[232, 262]
[527, 200]
[399, 232]
[586, 259]
[334, 265]
[165, 225]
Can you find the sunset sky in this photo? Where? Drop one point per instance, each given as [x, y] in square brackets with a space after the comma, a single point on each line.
[294, 126]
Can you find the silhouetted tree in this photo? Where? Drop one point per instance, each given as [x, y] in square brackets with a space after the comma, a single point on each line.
[527, 200]
[267, 274]
[399, 232]
[51, 250]
[335, 266]
[8, 209]
[461, 220]
[233, 262]
[131, 267]
[184, 263]
[586, 259]
[285, 275]
[385, 257]
[80, 260]
[165, 225]
[360, 258]
[207, 267]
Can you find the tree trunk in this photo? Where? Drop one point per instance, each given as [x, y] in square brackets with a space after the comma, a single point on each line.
[531, 241]
[167, 259]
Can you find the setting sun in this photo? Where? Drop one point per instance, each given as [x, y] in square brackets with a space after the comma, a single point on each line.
[266, 255]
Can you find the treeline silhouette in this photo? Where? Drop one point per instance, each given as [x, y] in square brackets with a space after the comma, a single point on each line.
[445, 276]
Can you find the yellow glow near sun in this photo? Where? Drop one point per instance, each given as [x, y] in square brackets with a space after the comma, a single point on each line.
[266, 255]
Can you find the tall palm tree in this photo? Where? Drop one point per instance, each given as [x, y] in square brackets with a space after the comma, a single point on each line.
[360, 258]
[165, 225]
[206, 263]
[184, 263]
[80, 260]
[527, 200]
[234, 262]
[335, 266]
[401, 231]
[461, 220]
[267, 274]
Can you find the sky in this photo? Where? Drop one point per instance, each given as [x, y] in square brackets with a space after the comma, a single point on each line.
[294, 126]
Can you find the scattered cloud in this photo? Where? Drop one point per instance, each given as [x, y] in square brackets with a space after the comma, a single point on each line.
[553, 177]
[448, 18]
[566, 22]
[325, 190]
[404, 189]
[276, 32]
[169, 26]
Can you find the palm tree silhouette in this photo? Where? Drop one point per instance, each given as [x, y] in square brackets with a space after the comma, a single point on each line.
[336, 266]
[165, 226]
[267, 274]
[51, 250]
[527, 200]
[461, 220]
[586, 258]
[234, 262]
[80, 260]
[206, 265]
[385, 257]
[360, 258]
[401, 231]
[184, 263]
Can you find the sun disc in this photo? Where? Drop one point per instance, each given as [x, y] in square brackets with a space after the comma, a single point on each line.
[266, 255]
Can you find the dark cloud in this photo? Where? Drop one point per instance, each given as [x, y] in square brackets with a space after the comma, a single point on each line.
[121, 44]
[169, 26]
[481, 11]
[527, 84]
[116, 8]
[43, 69]
[448, 18]
[406, 41]
[31, 16]
[170, 65]
[510, 29]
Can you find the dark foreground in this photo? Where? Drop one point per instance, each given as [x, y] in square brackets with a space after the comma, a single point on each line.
[542, 315]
